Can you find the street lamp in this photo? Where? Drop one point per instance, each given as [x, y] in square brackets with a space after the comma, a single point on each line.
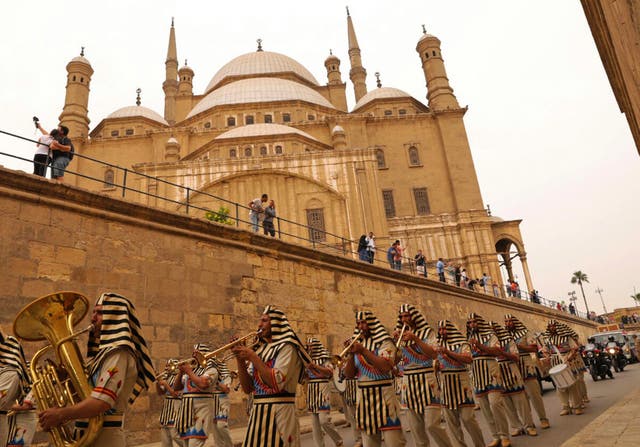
[599, 292]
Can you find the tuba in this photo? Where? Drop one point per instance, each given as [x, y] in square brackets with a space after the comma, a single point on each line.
[52, 317]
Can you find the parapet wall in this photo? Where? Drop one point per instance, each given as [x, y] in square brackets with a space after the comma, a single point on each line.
[192, 280]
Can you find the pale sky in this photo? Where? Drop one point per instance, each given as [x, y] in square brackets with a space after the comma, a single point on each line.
[548, 140]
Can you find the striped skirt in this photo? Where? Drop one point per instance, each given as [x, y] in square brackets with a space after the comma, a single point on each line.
[420, 389]
[511, 377]
[170, 407]
[377, 408]
[455, 389]
[273, 417]
[350, 393]
[318, 399]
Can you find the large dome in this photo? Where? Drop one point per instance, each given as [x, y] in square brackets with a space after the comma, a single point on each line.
[260, 62]
[259, 90]
[380, 93]
[261, 130]
[137, 111]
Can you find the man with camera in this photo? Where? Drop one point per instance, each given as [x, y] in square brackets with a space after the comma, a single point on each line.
[62, 151]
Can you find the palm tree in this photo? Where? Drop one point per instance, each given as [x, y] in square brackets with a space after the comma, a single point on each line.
[579, 277]
[636, 298]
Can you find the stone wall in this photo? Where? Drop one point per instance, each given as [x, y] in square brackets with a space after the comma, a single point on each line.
[192, 280]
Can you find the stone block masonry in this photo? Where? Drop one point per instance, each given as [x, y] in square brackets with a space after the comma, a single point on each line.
[192, 280]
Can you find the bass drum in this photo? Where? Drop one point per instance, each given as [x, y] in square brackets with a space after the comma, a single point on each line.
[562, 376]
[339, 382]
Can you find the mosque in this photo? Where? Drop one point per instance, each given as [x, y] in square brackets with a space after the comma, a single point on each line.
[392, 164]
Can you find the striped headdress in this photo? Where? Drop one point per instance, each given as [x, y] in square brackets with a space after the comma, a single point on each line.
[317, 351]
[422, 330]
[504, 337]
[121, 329]
[519, 329]
[483, 332]
[377, 331]
[561, 333]
[453, 338]
[12, 356]
[281, 333]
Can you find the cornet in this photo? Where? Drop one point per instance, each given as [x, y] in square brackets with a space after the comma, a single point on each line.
[202, 358]
[338, 360]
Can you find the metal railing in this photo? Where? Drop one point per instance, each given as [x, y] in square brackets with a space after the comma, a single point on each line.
[317, 238]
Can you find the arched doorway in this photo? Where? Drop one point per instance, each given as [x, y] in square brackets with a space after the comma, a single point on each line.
[508, 251]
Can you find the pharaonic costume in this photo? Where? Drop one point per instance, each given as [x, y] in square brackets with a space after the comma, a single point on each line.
[170, 406]
[485, 378]
[522, 336]
[319, 396]
[420, 390]
[220, 428]
[515, 399]
[273, 421]
[13, 379]
[119, 366]
[197, 405]
[456, 394]
[377, 407]
[562, 343]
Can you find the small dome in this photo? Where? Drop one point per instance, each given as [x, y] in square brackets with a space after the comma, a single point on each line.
[82, 59]
[337, 129]
[252, 90]
[380, 93]
[331, 58]
[263, 129]
[185, 68]
[138, 111]
[172, 141]
[426, 36]
[260, 62]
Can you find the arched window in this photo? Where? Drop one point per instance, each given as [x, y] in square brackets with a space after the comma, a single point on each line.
[263, 150]
[402, 112]
[248, 119]
[207, 125]
[268, 118]
[109, 177]
[233, 153]
[380, 158]
[278, 149]
[128, 132]
[311, 117]
[286, 117]
[315, 222]
[434, 53]
[388, 112]
[247, 152]
[414, 156]
[231, 121]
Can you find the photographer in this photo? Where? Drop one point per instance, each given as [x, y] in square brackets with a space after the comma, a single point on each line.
[42, 157]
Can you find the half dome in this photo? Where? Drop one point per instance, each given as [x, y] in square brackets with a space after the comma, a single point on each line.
[138, 111]
[254, 90]
[381, 93]
[260, 62]
[262, 129]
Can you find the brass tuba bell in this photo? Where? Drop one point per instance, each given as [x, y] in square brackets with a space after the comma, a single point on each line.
[52, 317]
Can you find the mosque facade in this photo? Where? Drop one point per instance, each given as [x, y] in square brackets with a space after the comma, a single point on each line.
[392, 164]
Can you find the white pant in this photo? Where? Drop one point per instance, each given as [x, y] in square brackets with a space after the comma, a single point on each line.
[464, 416]
[221, 435]
[493, 411]
[392, 438]
[429, 422]
[321, 424]
[169, 436]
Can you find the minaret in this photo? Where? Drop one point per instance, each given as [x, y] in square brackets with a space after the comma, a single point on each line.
[185, 83]
[75, 112]
[357, 74]
[439, 92]
[336, 89]
[170, 85]
[332, 64]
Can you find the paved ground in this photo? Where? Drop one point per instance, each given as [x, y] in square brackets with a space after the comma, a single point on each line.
[612, 418]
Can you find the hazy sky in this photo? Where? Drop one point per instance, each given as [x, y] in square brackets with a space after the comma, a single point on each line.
[549, 143]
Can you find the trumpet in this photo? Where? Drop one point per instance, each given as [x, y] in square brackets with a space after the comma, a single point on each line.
[202, 358]
[338, 360]
[399, 342]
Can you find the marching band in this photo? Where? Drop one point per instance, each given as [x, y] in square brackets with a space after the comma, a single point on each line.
[440, 375]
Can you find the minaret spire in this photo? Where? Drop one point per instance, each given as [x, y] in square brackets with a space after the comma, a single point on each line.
[170, 85]
[357, 74]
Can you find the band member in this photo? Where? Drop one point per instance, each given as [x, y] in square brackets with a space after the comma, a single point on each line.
[170, 406]
[318, 395]
[485, 377]
[454, 354]
[515, 399]
[275, 368]
[197, 405]
[421, 392]
[563, 350]
[377, 408]
[119, 368]
[221, 434]
[578, 367]
[13, 379]
[349, 398]
[23, 422]
[527, 345]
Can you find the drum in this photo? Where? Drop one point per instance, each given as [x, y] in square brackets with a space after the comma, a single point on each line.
[562, 376]
[339, 382]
